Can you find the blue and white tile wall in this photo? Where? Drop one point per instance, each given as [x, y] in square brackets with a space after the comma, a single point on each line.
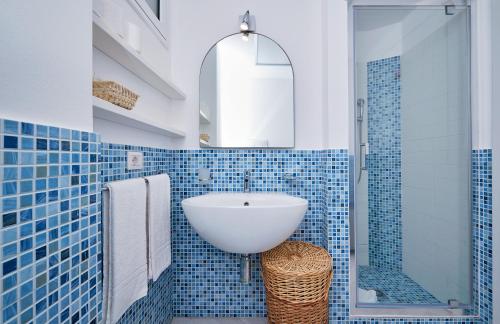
[384, 164]
[482, 220]
[51, 266]
[50, 238]
[156, 307]
[336, 229]
[207, 279]
[482, 251]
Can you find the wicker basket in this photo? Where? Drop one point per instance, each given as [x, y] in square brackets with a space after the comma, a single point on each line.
[114, 93]
[297, 278]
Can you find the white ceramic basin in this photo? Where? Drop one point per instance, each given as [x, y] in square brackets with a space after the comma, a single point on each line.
[245, 222]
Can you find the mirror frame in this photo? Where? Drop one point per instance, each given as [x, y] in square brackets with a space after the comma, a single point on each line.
[293, 99]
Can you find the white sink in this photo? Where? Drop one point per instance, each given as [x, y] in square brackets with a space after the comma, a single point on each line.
[245, 222]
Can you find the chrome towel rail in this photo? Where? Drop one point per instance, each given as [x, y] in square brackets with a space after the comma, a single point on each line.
[157, 173]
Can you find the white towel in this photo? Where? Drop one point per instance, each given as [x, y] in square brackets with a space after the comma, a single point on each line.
[367, 296]
[159, 254]
[125, 247]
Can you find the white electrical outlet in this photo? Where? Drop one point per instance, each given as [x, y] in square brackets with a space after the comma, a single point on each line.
[135, 161]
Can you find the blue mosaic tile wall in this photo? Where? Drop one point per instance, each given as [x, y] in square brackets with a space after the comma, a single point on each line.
[207, 279]
[482, 220]
[336, 229]
[384, 164]
[50, 234]
[50, 238]
[482, 253]
[156, 307]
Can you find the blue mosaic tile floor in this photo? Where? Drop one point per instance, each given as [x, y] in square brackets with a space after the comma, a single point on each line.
[396, 287]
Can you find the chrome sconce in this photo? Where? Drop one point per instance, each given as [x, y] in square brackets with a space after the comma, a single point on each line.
[247, 24]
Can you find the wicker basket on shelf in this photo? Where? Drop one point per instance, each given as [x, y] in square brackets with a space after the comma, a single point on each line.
[114, 93]
[297, 278]
[204, 137]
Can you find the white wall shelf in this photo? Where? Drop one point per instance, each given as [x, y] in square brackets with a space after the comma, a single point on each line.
[203, 118]
[107, 111]
[116, 48]
[204, 143]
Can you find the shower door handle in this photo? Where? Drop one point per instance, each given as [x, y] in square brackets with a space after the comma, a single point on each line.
[363, 152]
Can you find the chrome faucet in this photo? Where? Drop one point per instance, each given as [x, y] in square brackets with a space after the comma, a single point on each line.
[246, 181]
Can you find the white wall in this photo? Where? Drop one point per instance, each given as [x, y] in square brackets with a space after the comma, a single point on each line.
[320, 71]
[152, 105]
[46, 62]
[481, 74]
[59, 75]
[118, 14]
[337, 109]
[386, 27]
[296, 26]
[496, 159]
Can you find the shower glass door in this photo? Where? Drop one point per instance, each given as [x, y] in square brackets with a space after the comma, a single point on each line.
[412, 156]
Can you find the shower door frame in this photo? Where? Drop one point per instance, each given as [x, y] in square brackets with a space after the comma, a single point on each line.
[399, 310]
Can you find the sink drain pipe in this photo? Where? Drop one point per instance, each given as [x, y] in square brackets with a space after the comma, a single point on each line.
[245, 268]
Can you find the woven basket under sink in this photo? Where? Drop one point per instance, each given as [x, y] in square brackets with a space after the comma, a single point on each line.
[297, 277]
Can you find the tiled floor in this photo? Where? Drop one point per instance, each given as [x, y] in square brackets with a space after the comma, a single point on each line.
[219, 321]
[397, 288]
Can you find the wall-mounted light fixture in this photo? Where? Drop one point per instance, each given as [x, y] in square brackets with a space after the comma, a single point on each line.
[247, 23]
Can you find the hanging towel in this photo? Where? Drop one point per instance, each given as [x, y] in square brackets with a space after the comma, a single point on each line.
[158, 207]
[125, 269]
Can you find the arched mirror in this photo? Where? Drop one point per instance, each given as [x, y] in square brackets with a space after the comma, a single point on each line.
[246, 94]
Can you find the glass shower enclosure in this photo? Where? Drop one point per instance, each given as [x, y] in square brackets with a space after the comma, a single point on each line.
[413, 241]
